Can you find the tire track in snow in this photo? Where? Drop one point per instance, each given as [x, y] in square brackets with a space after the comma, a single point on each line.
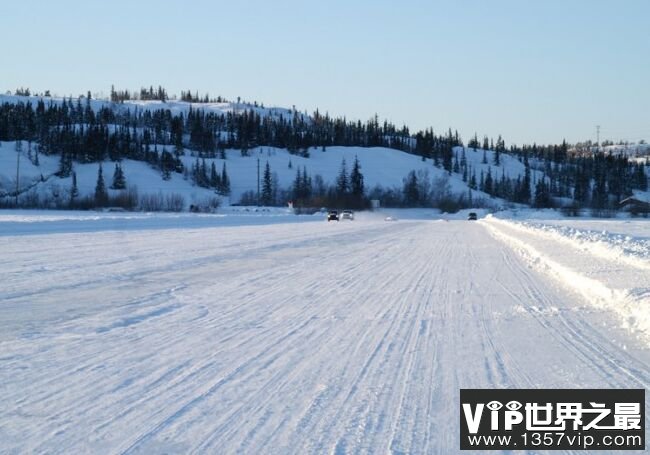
[193, 403]
[579, 337]
[356, 342]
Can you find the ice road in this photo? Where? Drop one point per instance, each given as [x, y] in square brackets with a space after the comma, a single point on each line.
[283, 338]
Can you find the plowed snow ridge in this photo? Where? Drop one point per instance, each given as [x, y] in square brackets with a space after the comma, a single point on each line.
[605, 274]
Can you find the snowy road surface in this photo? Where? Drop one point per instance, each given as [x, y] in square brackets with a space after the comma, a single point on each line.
[284, 338]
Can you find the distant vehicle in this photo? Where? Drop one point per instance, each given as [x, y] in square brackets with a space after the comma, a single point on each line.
[332, 215]
[472, 216]
[347, 215]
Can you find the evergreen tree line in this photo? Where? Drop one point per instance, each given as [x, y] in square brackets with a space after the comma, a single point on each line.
[597, 180]
[77, 132]
[219, 181]
[307, 191]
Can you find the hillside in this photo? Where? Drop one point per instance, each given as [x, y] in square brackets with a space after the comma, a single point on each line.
[175, 107]
[380, 167]
[196, 153]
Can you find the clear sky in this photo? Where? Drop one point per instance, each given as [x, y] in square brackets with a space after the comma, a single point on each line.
[533, 71]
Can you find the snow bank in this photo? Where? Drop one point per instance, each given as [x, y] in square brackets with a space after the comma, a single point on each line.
[609, 245]
[609, 272]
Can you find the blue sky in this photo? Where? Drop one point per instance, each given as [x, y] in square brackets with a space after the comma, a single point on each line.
[533, 71]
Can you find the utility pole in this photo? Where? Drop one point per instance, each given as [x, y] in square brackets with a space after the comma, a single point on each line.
[18, 149]
[597, 138]
[258, 180]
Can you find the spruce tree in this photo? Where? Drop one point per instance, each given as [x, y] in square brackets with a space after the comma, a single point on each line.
[119, 182]
[542, 195]
[448, 157]
[74, 190]
[214, 177]
[488, 184]
[356, 182]
[101, 195]
[472, 181]
[306, 183]
[267, 186]
[225, 181]
[411, 190]
[297, 186]
[65, 165]
[205, 181]
[342, 183]
[525, 193]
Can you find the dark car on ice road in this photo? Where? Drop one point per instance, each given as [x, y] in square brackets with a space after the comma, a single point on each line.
[472, 216]
[332, 215]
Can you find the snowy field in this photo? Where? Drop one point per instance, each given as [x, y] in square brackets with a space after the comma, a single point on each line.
[272, 333]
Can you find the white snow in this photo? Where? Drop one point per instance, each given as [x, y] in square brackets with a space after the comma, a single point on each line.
[210, 336]
[379, 165]
[610, 267]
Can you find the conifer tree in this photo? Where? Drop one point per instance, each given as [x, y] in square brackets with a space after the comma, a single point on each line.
[214, 176]
[225, 181]
[298, 191]
[542, 195]
[472, 181]
[74, 190]
[447, 157]
[119, 182]
[167, 164]
[306, 183]
[101, 194]
[411, 190]
[356, 181]
[267, 186]
[525, 194]
[342, 183]
[65, 165]
[488, 184]
[205, 181]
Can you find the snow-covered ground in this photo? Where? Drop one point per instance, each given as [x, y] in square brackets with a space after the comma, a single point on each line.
[283, 337]
[379, 165]
[34, 222]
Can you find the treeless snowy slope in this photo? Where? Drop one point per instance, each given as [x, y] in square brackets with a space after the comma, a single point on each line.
[338, 338]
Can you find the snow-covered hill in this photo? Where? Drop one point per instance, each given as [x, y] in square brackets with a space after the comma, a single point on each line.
[380, 166]
[174, 106]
